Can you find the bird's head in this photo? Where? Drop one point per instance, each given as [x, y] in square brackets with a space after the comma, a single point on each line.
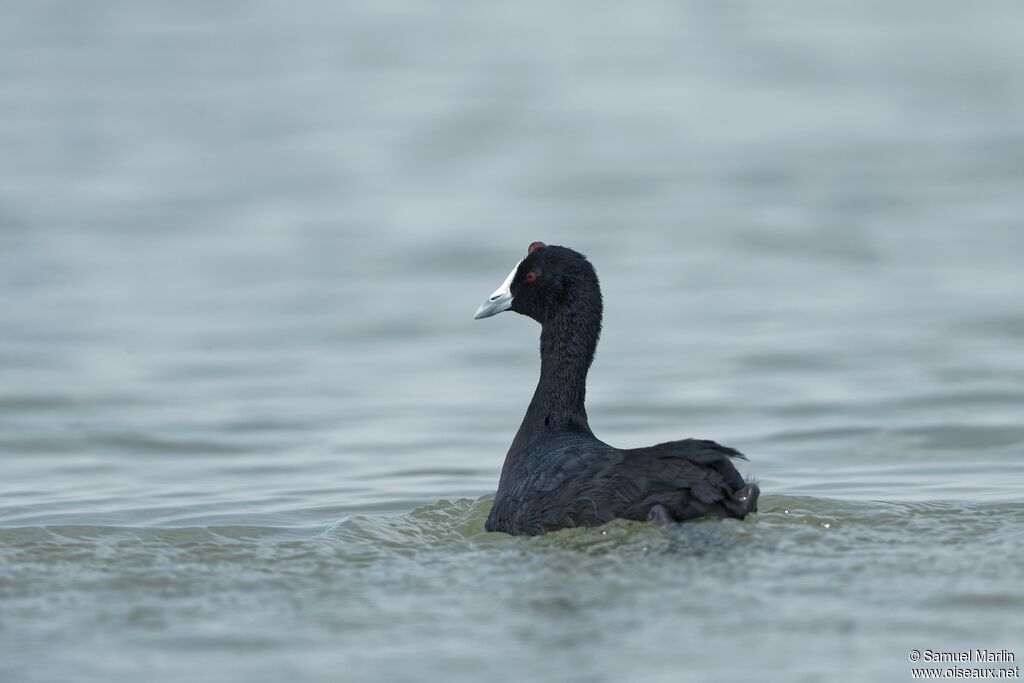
[550, 281]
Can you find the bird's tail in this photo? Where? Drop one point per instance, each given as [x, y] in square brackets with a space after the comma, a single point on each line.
[747, 498]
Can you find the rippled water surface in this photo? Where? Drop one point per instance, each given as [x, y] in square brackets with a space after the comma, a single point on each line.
[250, 431]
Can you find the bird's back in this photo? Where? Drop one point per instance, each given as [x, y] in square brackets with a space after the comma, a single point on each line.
[578, 480]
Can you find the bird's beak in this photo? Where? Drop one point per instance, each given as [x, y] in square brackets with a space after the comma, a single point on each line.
[501, 300]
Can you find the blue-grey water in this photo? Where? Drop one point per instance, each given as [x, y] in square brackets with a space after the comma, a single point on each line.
[249, 429]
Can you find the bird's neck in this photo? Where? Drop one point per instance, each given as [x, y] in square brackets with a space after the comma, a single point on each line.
[568, 341]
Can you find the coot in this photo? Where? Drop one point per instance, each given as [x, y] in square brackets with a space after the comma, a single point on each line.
[557, 473]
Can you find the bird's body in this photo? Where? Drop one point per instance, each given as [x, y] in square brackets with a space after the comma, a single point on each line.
[576, 480]
[557, 474]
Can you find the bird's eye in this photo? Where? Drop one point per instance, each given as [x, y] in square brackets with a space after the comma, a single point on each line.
[531, 276]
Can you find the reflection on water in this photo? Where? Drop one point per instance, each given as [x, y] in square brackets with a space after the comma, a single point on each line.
[240, 250]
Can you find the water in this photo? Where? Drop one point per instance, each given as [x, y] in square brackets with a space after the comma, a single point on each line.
[249, 429]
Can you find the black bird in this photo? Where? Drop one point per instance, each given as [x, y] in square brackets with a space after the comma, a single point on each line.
[557, 473]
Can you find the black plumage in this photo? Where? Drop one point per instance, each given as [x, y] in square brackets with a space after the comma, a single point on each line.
[557, 474]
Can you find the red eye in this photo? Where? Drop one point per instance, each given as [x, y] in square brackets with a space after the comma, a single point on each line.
[531, 276]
